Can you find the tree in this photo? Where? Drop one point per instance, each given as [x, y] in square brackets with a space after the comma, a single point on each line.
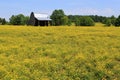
[108, 22]
[86, 21]
[83, 20]
[113, 20]
[59, 18]
[77, 21]
[19, 19]
[117, 21]
[2, 21]
[64, 20]
[15, 20]
[73, 19]
[69, 22]
[25, 20]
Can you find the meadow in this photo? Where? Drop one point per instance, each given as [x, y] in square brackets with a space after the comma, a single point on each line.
[59, 53]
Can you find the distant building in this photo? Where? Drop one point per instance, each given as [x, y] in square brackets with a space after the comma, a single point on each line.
[39, 19]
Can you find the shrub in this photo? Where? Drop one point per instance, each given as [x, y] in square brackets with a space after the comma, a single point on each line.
[86, 21]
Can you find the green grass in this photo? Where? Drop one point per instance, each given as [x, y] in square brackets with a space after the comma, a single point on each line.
[99, 25]
[59, 53]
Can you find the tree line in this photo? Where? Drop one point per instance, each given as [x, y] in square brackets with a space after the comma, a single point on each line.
[19, 19]
[59, 18]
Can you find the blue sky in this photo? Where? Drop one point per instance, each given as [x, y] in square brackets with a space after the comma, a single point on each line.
[75, 7]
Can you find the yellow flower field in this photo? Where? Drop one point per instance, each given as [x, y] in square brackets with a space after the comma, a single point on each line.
[59, 53]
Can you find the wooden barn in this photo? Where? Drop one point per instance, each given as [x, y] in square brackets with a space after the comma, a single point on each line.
[39, 19]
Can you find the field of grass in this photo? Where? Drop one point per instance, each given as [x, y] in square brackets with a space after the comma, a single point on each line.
[59, 53]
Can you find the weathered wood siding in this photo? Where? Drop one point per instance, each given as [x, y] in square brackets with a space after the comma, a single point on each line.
[32, 20]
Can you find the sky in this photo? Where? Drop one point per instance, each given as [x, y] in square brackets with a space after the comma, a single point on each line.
[74, 7]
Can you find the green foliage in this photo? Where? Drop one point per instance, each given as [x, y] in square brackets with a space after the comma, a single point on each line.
[69, 23]
[64, 20]
[19, 19]
[77, 21]
[59, 18]
[117, 21]
[108, 22]
[59, 53]
[86, 21]
[109, 65]
[3, 21]
[95, 18]
[113, 18]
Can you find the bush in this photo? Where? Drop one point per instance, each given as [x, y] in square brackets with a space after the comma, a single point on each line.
[117, 21]
[86, 21]
[108, 22]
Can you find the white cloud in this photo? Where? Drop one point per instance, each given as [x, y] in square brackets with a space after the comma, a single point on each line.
[108, 12]
[91, 11]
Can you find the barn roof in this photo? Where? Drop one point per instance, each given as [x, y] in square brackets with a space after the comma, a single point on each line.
[42, 16]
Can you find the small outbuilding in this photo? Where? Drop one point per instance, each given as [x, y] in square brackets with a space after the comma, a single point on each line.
[39, 19]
